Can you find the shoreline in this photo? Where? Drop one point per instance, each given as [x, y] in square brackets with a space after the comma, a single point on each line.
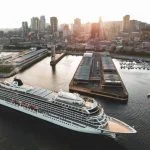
[130, 57]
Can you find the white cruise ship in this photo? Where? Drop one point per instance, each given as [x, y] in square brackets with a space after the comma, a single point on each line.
[69, 110]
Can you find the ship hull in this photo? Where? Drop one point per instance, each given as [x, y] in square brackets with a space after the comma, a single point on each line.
[57, 120]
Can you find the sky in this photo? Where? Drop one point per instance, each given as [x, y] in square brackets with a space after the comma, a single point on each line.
[13, 12]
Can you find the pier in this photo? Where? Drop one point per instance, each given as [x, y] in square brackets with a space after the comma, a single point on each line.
[97, 75]
[12, 66]
[57, 58]
[131, 58]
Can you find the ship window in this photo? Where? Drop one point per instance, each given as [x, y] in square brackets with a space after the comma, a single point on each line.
[93, 110]
[95, 120]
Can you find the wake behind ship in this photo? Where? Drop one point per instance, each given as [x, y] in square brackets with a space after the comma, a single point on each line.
[69, 110]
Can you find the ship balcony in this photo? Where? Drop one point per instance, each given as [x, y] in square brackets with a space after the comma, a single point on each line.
[99, 122]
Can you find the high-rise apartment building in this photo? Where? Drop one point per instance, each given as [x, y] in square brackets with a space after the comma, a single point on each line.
[101, 29]
[35, 24]
[42, 23]
[87, 28]
[112, 29]
[95, 30]
[25, 28]
[66, 30]
[134, 25]
[54, 25]
[77, 26]
[126, 23]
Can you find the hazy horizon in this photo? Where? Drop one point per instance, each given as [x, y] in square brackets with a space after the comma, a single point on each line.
[13, 12]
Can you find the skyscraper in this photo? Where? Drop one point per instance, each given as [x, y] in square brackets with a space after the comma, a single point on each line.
[66, 30]
[24, 28]
[54, 25]
[35, 24]
[77, 26]
[126, 23]
[42, 23]
[87, 28]
[101, 29]
[95, 30]
[134, 25]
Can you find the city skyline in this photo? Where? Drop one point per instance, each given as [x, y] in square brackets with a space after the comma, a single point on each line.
[67, 10]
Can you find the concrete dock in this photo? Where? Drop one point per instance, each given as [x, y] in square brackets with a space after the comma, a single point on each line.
[21, 62]
[57, 58]
[97, 75]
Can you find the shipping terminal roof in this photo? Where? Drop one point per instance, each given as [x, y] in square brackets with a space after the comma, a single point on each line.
[111, 78]
[107, 63]
[29, 54]
[83, 71]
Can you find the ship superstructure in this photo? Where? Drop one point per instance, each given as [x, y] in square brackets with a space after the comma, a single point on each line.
[69, 110]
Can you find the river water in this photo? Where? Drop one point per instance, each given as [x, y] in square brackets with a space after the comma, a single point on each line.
[21, 132]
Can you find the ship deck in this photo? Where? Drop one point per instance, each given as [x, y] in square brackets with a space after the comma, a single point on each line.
[118, 126]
